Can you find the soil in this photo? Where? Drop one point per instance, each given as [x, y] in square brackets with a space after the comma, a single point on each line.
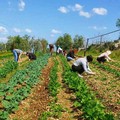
[66, 99]
[36, 103]
[106, 87]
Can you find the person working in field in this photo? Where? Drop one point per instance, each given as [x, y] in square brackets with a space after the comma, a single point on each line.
[82, 65]
[31, 56]
[17, 54]
[59, 50]
[104, 57]
[51, 46]
[70, 55]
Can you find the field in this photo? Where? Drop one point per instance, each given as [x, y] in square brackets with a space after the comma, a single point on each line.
[47, 89]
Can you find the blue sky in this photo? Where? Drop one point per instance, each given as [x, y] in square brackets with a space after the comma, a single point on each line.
[50, 19]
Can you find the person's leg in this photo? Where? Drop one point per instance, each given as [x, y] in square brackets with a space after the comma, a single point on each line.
[80, 69]
[33, 57]
[103, 59]
[69, 58]
[74, 68]
[15, 55]
[99, 59]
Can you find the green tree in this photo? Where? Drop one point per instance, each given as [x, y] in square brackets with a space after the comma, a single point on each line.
[44, 44]
[78, 41]
[118, 23]
[65, 42]
[17, 42]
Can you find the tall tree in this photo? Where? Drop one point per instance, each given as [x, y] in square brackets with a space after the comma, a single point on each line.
[65, 42]
[44, 44]
[78, 41]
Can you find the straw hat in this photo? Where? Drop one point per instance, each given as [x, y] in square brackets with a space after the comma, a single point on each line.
[108, 52]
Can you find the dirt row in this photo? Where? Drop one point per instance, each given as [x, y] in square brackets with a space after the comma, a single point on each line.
[66, 98]
[106, 87]
[36, 103]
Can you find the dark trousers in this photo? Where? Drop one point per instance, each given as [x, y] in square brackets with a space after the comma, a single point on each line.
[78, 69]
[101, 59]
[32, 56]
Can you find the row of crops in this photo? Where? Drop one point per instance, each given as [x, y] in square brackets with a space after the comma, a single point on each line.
[109, 69]
[19, 86]
[55, 109]
[85, 99]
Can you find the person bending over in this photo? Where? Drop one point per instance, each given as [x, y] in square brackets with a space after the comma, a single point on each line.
[82, 65]
[70, 55]
[17, 54]
[104, 57]
[31, 56]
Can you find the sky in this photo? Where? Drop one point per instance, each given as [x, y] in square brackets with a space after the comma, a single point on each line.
[50, 19]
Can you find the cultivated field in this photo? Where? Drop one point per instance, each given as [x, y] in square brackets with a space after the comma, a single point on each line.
[47, 89]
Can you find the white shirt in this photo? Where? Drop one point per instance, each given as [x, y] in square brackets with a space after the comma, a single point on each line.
[59, 49]
[18, 51]
[105, 54]
[84, 63]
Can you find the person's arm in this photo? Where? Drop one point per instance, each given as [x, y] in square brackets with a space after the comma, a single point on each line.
[20, 56]
[108, 58]
[87, 69]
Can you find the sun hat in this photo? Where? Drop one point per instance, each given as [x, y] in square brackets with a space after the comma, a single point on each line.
[108, 52]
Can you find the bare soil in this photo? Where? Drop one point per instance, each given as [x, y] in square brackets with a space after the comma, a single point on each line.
[66, 98]
[32, 107]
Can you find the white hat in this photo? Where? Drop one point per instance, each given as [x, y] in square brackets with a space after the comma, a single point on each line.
[108, 52]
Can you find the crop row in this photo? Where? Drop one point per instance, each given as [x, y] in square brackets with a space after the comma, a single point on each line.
[53, 87]
[6, 56]
[117, 64]
[107, 68]
[8, 67]
[19, 86]
[85, 99]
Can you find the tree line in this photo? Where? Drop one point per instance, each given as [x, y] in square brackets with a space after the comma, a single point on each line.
[26, 43]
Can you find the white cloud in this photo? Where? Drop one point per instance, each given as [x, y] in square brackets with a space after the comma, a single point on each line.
[28, 30]
[63, 9]
[100, 11]
[78, 7]
[55, 31]
[3, 39]
[98, 28]
[21, 5]
[17, 30]
[3, 30]
[85, 14]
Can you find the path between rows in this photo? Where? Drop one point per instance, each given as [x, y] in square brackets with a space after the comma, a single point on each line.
[36, 103]
[66, 99]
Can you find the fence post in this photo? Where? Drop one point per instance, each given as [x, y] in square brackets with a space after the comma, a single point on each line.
[86, 46]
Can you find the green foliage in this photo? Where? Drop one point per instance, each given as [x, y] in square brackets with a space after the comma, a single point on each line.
[10, 95]
[53, 84]
[26, 43]
[65, 42]
[85, 99]
[7, 68]
[78, 41]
